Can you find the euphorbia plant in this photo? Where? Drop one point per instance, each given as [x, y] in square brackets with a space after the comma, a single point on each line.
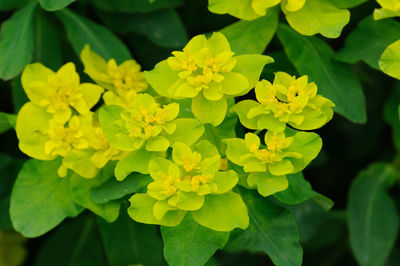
[163, 127]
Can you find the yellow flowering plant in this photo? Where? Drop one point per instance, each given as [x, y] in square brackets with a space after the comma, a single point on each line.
[162, 132]
[143, 127]
[167, 135]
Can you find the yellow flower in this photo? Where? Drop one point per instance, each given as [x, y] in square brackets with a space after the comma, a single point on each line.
[122, 81]
[146, 120]
[58, 92]
[63, 138]
[190, 183]
[207, 71]
[103, 151]
[289, 100]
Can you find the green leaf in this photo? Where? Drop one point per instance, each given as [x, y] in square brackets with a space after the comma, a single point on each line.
[212, 112]
[334, 79]
[19, 97]
[12, 4]
[347, 3]
[7, 121]
[74, 242]
[40, 199]
[252, 37]
[389, 62]
[114, 127]
[309, 218]
[318, 17]
[136, 161]
[17, 41]
[272, 230]
[81, 31]
[48, 48]
[239, 8]
[383, 13]
[113, 189]
[190, 243]
[10, 166]
[187, 131]
[80, 162]
[80, 192]
[225, 130]
[251, 65]
[53, 5]
[300, 190]
[223, 212]
[127, 242]
[372, 215]
[391, 115]
[375, 37]
[5, 221]
[163, 27]
[129, 6]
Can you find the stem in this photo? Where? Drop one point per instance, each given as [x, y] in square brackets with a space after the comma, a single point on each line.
[211, 134]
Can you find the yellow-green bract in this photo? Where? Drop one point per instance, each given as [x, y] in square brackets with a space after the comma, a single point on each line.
[308, 17]
[287, 101]
[191, 184]
[208, 72]
[122, 82]
[390, 60]
[390, 8]
[268, 165]
[63, 125]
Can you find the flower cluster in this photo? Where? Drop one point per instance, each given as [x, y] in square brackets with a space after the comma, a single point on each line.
[208, 72]
[171, 133]
[286, 101]
[308, 17]
[191, 182]
[63, 123]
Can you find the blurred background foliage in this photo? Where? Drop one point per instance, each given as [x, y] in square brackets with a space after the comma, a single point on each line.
[364, 219]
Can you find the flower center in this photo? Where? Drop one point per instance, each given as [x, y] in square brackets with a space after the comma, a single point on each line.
[126, 77]
[191, 162]
[62, 95]
[63, 139]
[145, 122]
[202, 69]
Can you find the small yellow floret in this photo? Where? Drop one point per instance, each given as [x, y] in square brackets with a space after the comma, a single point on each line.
[62, 95]
[127, 76]
[191, 162]
[201, 72]
[63, 139]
